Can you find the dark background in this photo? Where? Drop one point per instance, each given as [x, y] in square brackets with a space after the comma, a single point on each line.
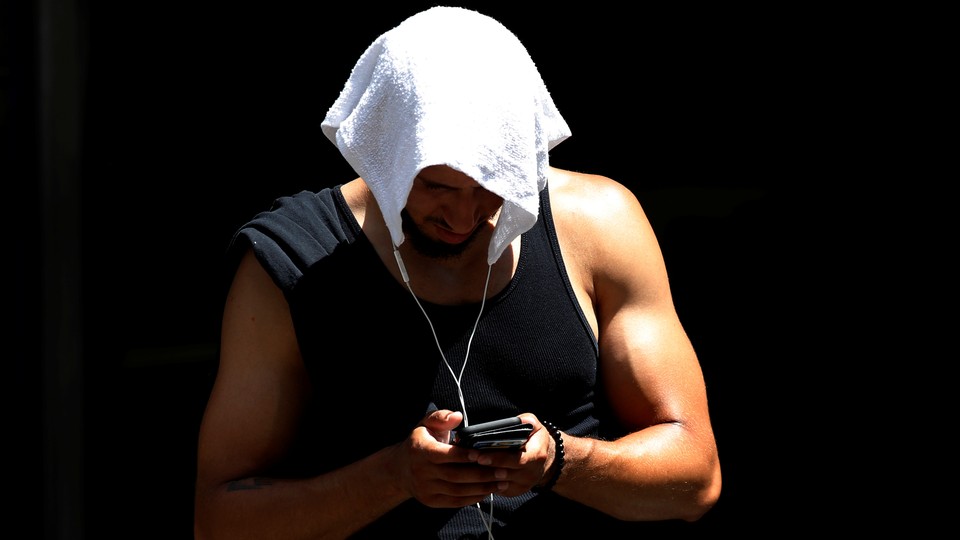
[138, 136]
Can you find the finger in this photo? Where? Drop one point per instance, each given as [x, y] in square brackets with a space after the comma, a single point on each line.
[442, 419]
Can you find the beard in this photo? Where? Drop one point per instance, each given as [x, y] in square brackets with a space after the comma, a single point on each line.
[429, 247]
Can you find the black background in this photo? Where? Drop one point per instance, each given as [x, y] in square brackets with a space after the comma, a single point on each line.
[194, 116]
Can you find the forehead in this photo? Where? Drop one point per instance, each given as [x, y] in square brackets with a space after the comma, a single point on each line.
[444, 174]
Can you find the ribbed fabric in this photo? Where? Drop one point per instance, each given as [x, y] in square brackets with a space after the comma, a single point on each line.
[370, 352]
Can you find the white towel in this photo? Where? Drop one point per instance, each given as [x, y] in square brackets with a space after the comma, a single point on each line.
[449, 86]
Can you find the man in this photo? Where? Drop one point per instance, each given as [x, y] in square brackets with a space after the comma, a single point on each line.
[460, 279]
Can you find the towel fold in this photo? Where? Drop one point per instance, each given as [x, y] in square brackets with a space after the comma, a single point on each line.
[449, 86]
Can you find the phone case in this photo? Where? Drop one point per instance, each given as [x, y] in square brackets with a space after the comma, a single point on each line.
[505, 433]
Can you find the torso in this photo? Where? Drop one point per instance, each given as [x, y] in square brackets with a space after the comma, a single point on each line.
[534, 350]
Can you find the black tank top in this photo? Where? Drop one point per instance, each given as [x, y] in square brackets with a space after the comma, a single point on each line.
[370, 353]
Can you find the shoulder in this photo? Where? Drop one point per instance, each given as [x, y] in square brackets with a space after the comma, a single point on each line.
[296, 232]
[603, 231]
[591, 196]
[593, 204]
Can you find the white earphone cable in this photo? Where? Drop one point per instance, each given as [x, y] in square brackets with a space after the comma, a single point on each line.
[483, 301]
[488, 523]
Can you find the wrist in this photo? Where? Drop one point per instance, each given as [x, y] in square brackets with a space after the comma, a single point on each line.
[559, 459]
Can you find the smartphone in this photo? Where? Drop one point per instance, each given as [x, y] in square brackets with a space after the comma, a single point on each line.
[504, 434]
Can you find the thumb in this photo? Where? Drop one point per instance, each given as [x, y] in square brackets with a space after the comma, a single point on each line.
[440, 422]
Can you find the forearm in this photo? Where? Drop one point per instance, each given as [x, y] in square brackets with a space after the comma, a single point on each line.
[659, 473]
[332, 505]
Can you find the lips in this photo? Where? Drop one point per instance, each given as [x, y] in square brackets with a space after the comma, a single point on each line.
[451, 237]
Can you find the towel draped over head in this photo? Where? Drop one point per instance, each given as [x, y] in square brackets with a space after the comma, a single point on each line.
[449, 86]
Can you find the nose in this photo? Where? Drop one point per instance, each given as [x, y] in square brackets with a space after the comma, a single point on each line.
[462, 212]
[468, 208]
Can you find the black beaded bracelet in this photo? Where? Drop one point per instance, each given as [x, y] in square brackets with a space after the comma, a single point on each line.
[558, 457]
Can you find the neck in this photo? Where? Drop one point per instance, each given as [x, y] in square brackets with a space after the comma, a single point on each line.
[451, 280]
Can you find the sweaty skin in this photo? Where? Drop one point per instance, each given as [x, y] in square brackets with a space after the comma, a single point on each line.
[667, 468]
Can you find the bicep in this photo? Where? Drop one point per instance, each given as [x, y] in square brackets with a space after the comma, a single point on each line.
[650, 370]
[260, 384]
[649, 367]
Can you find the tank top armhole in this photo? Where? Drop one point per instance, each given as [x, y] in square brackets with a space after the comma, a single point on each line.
[347, 219]
[554, 242]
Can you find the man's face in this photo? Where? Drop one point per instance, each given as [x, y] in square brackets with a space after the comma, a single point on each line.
[446, 211]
